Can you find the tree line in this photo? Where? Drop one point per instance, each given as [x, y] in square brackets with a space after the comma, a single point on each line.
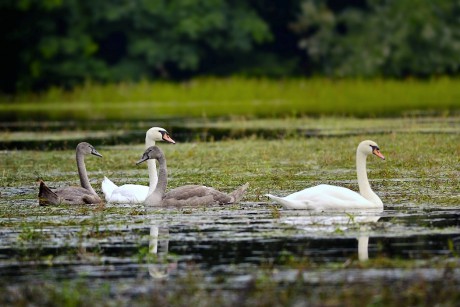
[65, 42]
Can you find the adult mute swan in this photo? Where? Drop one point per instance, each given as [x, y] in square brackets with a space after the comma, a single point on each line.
[325, 196]
[134, 193]
[188, 195]
[73, 195]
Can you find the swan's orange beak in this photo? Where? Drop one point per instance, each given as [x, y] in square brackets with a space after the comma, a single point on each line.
[378, 154]
[167, 138]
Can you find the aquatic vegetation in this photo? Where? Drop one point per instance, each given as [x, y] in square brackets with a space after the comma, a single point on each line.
[250, 253]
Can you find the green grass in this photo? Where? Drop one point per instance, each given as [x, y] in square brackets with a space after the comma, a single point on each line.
[420, 167]
[251, 98]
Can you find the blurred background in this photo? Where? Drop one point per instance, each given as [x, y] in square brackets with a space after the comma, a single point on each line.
[65, 43]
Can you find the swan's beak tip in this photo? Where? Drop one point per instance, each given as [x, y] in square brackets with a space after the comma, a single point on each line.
[168, 139]
[378, 154]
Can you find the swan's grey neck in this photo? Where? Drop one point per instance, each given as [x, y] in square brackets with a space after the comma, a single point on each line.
[364, 186]
[84, 181]
[156, 197]
[153, 176]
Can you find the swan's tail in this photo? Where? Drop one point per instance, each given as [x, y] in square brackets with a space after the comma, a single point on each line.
[46, 196]
[288, 204]
[108, 187]
[238, 194]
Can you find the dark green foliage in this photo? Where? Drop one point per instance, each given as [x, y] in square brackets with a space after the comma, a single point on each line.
[64, 43]
[392, 38]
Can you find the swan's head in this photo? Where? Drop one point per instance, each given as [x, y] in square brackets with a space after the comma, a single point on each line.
[87, 149]
[153, 152]
[370, 148]
[158, 134]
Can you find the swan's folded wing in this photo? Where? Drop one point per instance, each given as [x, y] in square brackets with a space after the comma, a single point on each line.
[108, 187]
[325, 196]
[191, 201]
[129, 193]
[187, 191]
[238, 194]
[202, 195]
[66, 195]
[77, 196]
[290, 203]
[46, 196]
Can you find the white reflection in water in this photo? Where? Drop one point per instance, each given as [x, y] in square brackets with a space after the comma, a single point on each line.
[158, 246]
[320, 224]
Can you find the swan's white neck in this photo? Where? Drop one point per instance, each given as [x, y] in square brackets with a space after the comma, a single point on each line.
[153, 176]
[364, 186]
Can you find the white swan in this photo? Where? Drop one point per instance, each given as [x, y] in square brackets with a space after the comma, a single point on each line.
[134, 193]
[325, 196]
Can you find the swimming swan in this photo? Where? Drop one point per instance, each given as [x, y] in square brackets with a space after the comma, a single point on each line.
[73, 195]
[188, 195]
[134, 193]
[333, 197]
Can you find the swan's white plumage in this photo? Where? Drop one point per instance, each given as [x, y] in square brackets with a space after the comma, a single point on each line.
[323, 197]
[134, 193]
[127, 193]
[108, 186]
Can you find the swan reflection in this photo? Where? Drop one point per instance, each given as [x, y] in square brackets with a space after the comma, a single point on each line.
[363, 239]
[159, 266]
[345, 221]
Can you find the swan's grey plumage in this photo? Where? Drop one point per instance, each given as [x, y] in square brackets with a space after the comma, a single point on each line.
[188, 195]
[135, 193]
[73, 195]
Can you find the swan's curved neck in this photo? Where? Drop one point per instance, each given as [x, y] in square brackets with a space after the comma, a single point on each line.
[155, 198]
[84, 181]
[153, 176]
[364, 186]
